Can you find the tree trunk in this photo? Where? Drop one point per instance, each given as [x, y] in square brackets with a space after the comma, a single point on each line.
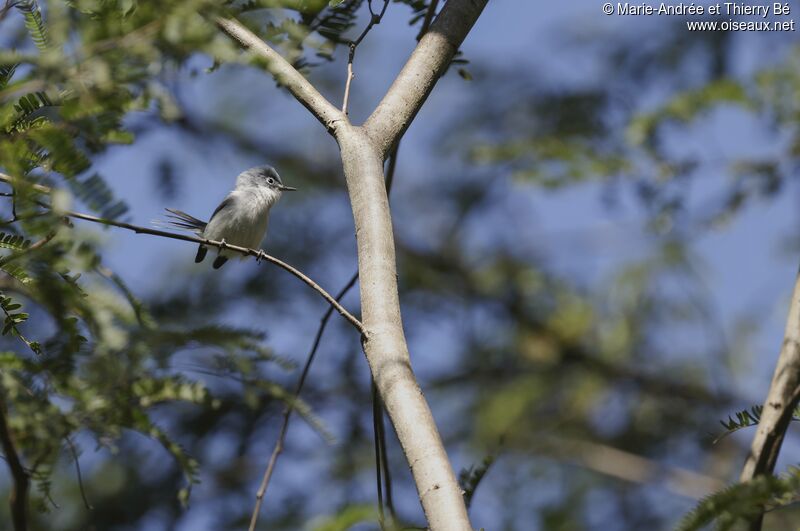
[384, 341]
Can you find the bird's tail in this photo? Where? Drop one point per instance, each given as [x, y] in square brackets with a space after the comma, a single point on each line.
[177, 219]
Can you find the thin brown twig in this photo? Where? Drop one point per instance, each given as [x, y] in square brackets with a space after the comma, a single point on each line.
[384, 463]
[377, 419]
[38, 187]
[374, 19]
[19, 491]
[74, 453]
[6, 8]
[346, 98]
[258, 254]
[426, 23]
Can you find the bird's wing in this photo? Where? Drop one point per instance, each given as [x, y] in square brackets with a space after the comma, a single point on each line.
[226, 203]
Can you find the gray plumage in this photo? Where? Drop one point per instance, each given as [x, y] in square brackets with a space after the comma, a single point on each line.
[241, 218]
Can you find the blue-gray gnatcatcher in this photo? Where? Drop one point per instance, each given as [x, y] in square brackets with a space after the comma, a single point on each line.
[242, 217]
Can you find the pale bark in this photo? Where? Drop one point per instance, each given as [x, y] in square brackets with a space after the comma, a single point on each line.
[384, 342]
[429, 60]
[363, 152]
[284, 73]
[782, 398]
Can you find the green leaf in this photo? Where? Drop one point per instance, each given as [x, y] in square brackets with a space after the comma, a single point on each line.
[34, 23]
[746, 418]
[13, 241]
[743, 501]
[16, 271]
[6, 73]
[470, 478]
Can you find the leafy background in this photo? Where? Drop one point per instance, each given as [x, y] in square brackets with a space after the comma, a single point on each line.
[597, 238]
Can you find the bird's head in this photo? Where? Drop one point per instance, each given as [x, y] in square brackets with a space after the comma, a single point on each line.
[262, 177]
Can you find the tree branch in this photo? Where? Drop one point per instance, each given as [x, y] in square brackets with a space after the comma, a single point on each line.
[256, 253]
[278, 449]
[19, 490]
[284, 73]
[384, 341]
[363, 152]
[782, 399]
[428, 62]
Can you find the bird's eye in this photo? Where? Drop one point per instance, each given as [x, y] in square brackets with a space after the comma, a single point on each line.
[271, 181]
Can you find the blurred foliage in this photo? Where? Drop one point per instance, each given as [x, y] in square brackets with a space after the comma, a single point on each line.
[602, 133]
[637, 359]
[747, 418]
[739, 503]
[545, 368]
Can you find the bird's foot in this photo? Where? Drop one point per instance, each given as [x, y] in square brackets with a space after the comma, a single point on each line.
[260, 256]
[222, 244]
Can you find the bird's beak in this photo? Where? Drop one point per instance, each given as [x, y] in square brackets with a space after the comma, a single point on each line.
[284, 188]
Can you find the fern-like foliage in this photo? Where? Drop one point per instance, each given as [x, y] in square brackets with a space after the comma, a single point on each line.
[6, 73]
[104, 362]
[418, 10]
[97, 195]
[746, 418]
[335, 21]
[13, 319]
[744, 501]
[470, 478]
[15, 271]
[15, 242]
[28, 112]
[34, 23]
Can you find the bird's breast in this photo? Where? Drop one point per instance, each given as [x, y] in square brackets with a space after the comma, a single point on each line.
[245, 224]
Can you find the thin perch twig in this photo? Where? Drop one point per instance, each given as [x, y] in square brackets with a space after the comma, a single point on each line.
[256, 253]
[346, 98]
[375, 19]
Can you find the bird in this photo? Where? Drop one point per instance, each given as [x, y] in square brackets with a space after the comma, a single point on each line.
[241, 218]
